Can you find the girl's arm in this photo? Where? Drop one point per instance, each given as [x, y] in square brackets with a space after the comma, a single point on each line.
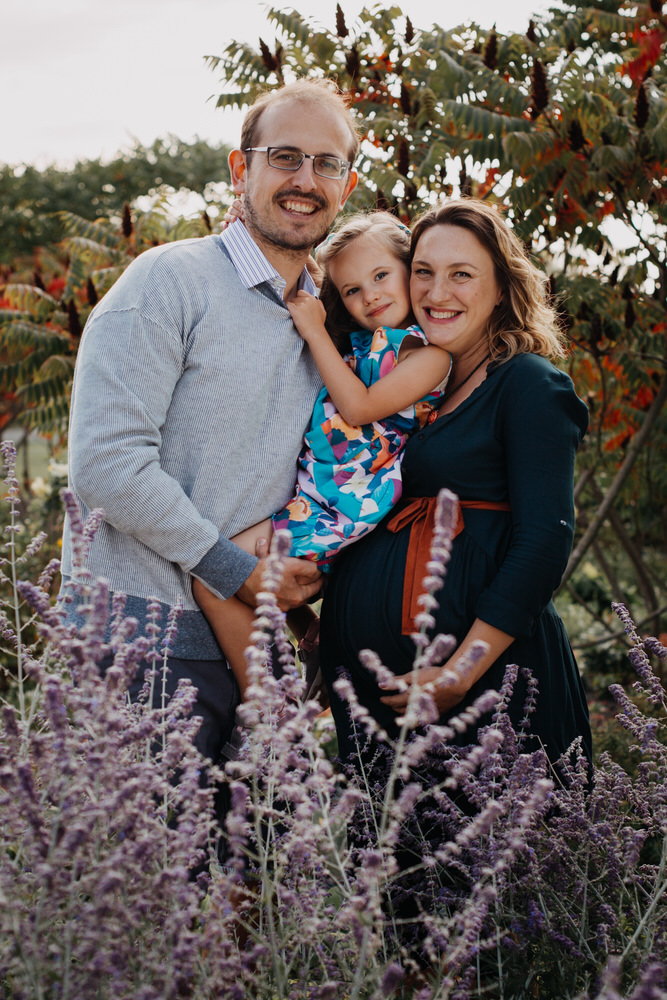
[419, 370]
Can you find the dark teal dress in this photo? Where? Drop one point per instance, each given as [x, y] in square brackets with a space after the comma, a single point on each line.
[514, 439]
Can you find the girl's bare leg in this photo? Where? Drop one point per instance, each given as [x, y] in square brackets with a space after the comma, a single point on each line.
[232, 620]
[256, 539]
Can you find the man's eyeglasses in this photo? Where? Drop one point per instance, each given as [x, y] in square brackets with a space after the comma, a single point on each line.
[291, 159]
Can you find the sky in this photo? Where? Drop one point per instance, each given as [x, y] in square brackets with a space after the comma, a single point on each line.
[83, 79]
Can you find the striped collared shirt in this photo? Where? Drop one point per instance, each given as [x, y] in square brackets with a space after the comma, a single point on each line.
[252, 266]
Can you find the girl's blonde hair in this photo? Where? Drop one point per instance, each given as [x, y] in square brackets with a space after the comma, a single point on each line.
[339, 323]
[524, 322]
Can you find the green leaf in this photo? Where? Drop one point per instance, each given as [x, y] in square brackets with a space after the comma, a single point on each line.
[29, 299]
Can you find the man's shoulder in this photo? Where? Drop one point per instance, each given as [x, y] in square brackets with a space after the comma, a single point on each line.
[196, 249]
[182, 264]
[162, 280]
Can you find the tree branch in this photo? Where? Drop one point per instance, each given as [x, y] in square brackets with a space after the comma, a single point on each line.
[613, 581]
[643, 578]
[614, 636]
[578, 599]
[632, 454]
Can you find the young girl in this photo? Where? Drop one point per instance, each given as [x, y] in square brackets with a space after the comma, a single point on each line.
[373, 398]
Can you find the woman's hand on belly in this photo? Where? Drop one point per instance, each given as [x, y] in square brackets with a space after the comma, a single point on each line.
[448, 684]
[443, 685]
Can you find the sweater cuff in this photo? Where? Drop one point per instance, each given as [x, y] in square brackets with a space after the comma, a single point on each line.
[224, 568]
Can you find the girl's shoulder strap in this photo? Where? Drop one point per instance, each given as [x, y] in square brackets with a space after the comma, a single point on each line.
[417, 332]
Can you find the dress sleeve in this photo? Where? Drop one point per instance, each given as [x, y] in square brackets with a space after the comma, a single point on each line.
[541, 424]
[128, 366]
[432, 399]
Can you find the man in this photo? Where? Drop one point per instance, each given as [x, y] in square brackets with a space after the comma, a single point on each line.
[193, 389]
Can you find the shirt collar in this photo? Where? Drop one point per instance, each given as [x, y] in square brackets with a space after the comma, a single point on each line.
[252, 266]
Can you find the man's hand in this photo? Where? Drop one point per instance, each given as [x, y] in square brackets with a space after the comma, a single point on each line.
[301, 580]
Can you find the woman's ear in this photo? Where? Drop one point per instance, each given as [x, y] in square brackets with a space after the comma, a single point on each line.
[238, 169]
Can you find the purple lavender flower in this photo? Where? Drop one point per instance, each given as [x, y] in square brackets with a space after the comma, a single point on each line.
[655, 647]
[81, 534]
[445, 518]
[476, 869]
[391, 980]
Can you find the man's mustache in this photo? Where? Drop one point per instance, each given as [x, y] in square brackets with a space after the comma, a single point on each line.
[297, 195]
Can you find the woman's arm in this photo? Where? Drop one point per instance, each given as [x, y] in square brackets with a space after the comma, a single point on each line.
[447, 695]
[419, 373]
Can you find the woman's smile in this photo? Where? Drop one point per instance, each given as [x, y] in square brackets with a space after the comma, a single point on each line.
[438, 314]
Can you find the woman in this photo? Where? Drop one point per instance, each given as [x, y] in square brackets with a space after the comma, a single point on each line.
[504, 441]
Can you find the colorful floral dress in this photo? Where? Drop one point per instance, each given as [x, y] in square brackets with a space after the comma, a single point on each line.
[350, 477]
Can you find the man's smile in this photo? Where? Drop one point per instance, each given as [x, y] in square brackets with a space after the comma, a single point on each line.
[298, 205]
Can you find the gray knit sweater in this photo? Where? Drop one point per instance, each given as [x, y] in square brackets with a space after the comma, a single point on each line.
[191, 395]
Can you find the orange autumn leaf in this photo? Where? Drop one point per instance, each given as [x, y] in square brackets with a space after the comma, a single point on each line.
[650, 48]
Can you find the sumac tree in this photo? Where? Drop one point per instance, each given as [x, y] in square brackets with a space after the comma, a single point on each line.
[565, 127]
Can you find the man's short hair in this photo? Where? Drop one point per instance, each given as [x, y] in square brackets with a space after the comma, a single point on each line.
[320, 92]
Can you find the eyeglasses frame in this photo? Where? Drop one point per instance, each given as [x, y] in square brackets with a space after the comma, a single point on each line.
[344, 164]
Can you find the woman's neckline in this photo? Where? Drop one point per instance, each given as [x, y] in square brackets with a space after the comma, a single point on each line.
[493, 366]
[473, 382]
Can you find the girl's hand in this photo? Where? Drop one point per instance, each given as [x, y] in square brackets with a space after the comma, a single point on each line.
[235, 211]
[308, 314]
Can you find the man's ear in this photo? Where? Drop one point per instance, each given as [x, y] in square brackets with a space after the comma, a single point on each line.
[238, 169]
[352, 180]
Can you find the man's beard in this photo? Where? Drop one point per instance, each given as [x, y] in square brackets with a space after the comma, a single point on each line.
[277, 237]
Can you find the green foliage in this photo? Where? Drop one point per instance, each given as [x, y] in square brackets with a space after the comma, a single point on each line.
[40, 328]
[30, 198]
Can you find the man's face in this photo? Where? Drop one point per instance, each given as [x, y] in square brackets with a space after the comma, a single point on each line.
[292, 211]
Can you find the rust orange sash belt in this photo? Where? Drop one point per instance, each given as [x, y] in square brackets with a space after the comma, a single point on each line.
[420, 513]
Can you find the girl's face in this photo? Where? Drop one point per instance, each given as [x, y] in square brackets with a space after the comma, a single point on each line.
[373, 284]
[454, 290]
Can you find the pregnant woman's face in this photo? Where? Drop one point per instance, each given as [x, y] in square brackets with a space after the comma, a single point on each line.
[454, 290]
